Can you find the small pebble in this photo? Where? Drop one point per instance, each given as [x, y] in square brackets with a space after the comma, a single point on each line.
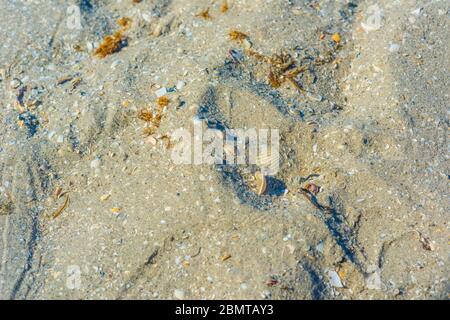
[394, 47]
[180, 85]
[15, 83]
[161, 92]
[179, 294]
[417, 11]
[89, 46]
[146, 17]
[158, 30]
[373, 281]
[95, 163]
[115, 64]
[335, 280]
[151, 140]
[314, 97]
[246, 44]
[105, 197]
[319, 247]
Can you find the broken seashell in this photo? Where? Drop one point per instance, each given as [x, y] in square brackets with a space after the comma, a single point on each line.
[256, 182]
[262, 183]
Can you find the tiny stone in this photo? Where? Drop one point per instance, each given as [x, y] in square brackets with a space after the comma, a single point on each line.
[89, 46]
[417, 11]
[373, 281]
[247, 44]
[314, 97]
[161, 92]
[296, 11]
[115, 64]
[95, 163]
[105, 197]
[178, 294]
[15, 83]
[370, 27]
[180, 85]
[335, 280]
[151, 140]
[146, 17]
[157, 31]
[319, 247]
[394, 47]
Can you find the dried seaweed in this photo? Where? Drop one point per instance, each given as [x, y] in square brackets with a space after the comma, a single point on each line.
[110, 45]
[163, 101]
[113, 43]
[145, 115]
[224, 6]
[153, 119]
[236, 35]
[124, 22]
[204, 14]
[282, 68]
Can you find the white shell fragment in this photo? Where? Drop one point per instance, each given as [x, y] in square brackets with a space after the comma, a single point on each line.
[335, 280]
[161, 92]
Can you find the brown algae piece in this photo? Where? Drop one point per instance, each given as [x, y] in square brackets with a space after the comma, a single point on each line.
[145, 115]
[110, 45]
[282, 68]
[274, 80]
[204, 14]
[153, 120]
[163, 101]
[224, 6]
[236, 35]
[124, 22]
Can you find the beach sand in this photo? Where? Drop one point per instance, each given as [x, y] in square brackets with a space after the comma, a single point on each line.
[91, 207]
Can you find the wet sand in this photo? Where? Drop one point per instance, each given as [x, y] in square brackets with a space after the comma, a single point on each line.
[92, 207]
